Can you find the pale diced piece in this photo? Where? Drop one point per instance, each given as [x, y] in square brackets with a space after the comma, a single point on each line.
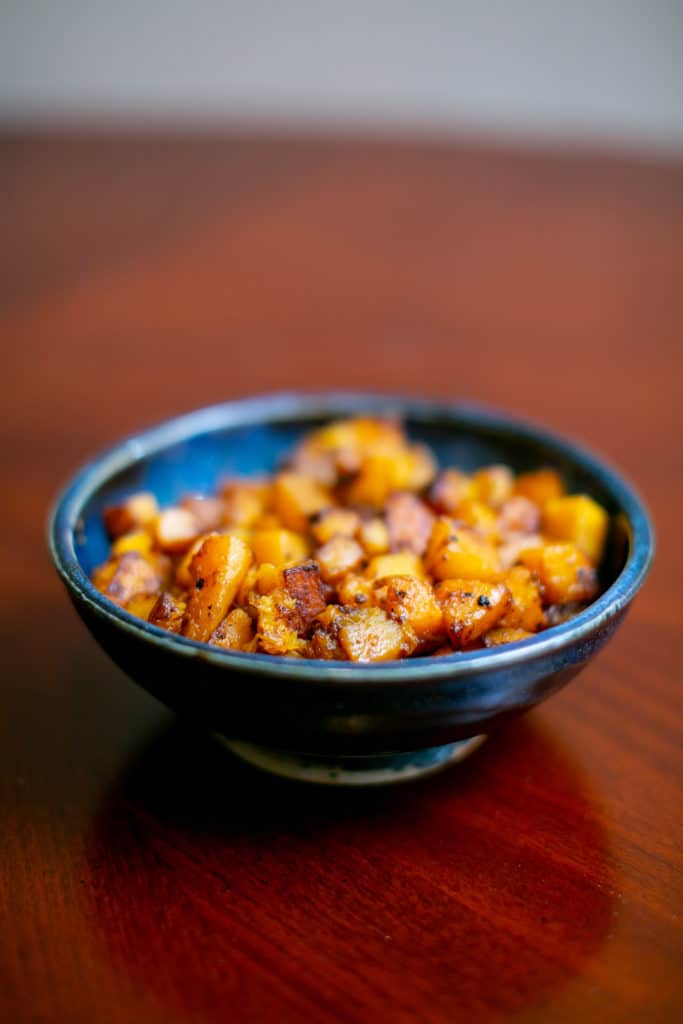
[245, 501]
[208, 511]
[368, 634]
[176, 529]
[450, 489]
[139, 510]
[579, 519]
[409, 522]
[374, 536]
[216, 571]
[338, 557]
[518, 517]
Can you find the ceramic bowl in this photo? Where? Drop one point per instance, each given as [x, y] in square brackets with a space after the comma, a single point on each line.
[327, 721]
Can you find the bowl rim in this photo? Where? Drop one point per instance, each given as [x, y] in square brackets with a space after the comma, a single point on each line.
[66, 509]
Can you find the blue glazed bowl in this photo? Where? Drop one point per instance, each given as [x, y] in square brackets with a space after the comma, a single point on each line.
[333, 721]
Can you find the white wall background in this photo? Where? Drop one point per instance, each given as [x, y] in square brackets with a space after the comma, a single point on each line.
[611, 69]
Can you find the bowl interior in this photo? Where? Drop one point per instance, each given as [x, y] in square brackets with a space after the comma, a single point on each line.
[194, 458]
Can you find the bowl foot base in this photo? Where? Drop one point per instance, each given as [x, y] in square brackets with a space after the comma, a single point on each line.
[353, 769]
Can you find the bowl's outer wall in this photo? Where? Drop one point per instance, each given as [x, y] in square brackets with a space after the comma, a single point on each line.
[322, 716]
[312, 712]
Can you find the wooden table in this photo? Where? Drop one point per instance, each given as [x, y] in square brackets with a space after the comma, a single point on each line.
[144, 876]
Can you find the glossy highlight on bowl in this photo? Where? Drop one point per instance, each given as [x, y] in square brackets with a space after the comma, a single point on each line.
[337, 715]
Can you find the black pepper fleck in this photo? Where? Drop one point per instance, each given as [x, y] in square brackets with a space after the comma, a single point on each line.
[200, 583]
[483, 601]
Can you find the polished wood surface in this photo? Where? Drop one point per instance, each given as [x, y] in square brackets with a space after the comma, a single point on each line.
[144, 876]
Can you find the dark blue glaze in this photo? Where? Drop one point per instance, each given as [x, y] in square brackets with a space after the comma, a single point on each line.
[318, 706]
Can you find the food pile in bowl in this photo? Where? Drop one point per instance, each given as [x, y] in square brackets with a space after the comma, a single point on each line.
[359, 549]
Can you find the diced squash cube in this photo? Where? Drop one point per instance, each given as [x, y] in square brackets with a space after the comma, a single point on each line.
[279, 546]
[235, 632]
[409, 522]
[368, 634]
[175, 530]
[139, 540]
[182, 573]
[401, 563]
[324, 642]
[296, 498]
[374, 536]
[471, 608]
[441, 652]
[579, 519]
[216, 571]
[245, 501]
[458, 553]
[497, 637]
[129, 575]
[525, 610]
[412, 602]
[354, 590]
[267, 577]
[564, 572]
[338, 557]
[139, 510]
[338, 448]
[304, 584]
[141, 605]
[381, 473]
[540, 486]
[333, 522]
[450, 489]
[494, 485]
[480, 517]
[277, 615]
[167, 613]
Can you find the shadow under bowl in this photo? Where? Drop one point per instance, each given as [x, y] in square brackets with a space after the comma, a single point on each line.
[333, 721]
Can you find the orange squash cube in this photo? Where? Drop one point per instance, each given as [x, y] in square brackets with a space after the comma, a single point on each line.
[579, 519]
[564, 572]
[216, 571]
[540, 485]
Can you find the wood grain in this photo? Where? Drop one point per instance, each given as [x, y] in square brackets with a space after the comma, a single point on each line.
[145, 876]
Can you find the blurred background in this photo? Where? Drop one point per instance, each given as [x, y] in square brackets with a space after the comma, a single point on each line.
[610, 70]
